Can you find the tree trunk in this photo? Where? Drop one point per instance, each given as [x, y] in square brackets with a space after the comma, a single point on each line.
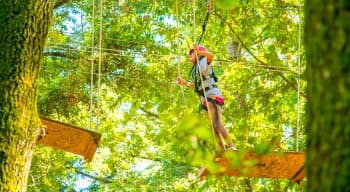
[23, 31]
[327, 43]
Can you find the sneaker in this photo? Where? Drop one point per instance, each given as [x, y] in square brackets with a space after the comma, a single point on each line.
[232, 148]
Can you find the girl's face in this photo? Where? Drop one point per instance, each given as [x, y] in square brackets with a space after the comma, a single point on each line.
[193, 57]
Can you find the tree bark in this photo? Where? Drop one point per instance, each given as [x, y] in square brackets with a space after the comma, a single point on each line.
[327, 43]
[23, 31]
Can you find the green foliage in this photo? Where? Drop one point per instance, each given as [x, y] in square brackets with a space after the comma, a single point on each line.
[153, 137]
[227, 3]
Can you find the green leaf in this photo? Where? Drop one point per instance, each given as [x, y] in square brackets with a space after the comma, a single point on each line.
[227, 4]
[262, 148]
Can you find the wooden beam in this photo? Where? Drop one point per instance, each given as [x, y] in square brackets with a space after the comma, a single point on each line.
[278, 165]
[70, 138]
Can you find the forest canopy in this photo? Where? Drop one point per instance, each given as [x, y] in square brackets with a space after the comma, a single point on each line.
[110, 67]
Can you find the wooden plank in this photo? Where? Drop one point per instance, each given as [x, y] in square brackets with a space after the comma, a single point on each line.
[286, 165]
[70, 138]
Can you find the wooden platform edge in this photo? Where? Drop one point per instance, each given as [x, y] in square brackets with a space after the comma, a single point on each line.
[70, 138]
[299, 175]
[258, 169]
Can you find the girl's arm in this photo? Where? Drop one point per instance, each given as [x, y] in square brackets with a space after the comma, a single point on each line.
[183, 82]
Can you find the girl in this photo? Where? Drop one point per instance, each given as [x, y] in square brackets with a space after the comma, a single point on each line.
[209, 94]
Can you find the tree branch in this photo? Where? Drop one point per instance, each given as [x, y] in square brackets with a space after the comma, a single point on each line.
[60, 3]
[149, 113]
[290, 83]
[108, 180]
[60, 54]
[99, 179]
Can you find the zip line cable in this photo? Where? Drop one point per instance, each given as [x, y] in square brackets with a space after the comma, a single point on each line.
[87, 48]
[64, 46]
[138, 54]
[158, 81]
[113, 39]
[294, 8]
[244, 65]
[218, 61]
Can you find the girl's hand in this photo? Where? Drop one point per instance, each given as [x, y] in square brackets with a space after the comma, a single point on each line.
[181, 81]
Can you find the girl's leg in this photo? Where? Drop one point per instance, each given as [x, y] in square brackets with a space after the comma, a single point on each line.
[215, 121]
[218, 124]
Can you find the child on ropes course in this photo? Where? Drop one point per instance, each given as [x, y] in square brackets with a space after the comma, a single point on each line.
[211, 97]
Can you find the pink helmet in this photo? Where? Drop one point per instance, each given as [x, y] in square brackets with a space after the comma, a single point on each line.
[197, 48]
[202, 51]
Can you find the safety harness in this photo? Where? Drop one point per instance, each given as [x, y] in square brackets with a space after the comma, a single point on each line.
[198, 88]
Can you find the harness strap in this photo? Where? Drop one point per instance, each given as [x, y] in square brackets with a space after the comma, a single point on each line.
[216, 101]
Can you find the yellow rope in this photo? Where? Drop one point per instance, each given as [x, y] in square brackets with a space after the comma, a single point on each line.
[100, 49]
[209, 110]
[92, 63]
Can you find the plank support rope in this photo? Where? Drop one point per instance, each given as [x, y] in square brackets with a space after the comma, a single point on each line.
[92, 64]
[299, 73]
